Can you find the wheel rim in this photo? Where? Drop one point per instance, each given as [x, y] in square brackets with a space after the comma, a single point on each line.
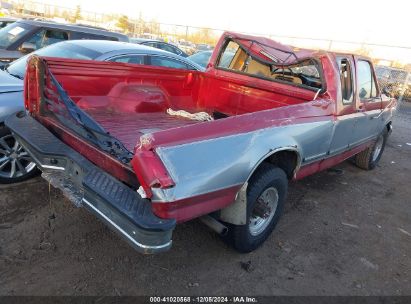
[14, 160]
[377, 148]
[264, 211]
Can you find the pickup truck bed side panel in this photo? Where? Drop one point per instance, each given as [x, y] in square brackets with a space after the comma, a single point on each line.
[227, 161]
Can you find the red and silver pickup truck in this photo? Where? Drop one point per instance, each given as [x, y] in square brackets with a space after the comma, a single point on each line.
[145, 148]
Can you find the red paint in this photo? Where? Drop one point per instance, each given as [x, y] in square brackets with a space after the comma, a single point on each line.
[92, 153]
[151, 170]
[192, 207]
[330, 161]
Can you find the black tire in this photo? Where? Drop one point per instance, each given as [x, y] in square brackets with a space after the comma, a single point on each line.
[4, 131]
[368, 159]
[267, 176]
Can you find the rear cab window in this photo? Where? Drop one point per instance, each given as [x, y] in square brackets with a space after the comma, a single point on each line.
[265, 64]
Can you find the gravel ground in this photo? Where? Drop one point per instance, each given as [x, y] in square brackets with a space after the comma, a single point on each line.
[344, 232]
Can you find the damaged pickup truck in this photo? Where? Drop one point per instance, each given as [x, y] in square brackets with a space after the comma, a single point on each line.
[145, 148]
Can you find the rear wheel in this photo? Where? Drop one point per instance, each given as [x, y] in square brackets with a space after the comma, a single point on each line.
[369, 158]
[15, 163]
[266, 195]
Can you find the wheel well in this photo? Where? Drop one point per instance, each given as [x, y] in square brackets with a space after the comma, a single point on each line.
[286, 160]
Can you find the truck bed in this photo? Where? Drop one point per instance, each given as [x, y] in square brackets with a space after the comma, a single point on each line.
[80, 101]
[128, 127]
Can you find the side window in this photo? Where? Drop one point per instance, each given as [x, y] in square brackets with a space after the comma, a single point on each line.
[134, 59]
[366, 80]
[346, 80]
[152, 44]
[46, 37]
[167, 62]
[168, 48]
[36, 39]
[93, 37]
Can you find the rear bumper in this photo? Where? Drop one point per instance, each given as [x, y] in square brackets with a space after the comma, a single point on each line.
[116, 204]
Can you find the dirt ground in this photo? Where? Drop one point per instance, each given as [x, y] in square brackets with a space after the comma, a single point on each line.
[344, 232]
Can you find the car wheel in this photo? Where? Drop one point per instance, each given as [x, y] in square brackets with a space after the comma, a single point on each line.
[15, 163]
[369, 158]
[266, 193]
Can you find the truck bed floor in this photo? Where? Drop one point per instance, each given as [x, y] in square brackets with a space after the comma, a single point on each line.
[128, 127]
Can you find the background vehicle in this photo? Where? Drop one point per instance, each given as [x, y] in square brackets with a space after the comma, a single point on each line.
[11, 87]
[187, 47]
[203, 58]
[271, 115]
[4, 21]
[203, 47]
[396, 81]
[168, 47]
[26, 36]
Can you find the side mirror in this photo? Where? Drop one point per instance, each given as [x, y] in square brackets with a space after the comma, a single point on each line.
[362, 93]
[27, 47]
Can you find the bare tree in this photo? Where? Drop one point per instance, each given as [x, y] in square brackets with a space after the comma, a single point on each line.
[77, 14]
[124, 23]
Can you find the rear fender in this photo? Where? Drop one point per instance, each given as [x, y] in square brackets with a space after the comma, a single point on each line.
[204, 168]
[236, 213]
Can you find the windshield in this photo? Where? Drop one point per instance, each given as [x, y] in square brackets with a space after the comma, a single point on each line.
[63, 50]
[12, 33]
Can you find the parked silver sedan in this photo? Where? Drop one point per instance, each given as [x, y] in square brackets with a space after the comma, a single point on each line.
[15, 165]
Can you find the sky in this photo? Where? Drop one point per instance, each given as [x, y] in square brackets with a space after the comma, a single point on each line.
[380, 22]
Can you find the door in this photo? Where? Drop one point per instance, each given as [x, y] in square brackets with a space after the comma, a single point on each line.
[368, 103]
[346, 107]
